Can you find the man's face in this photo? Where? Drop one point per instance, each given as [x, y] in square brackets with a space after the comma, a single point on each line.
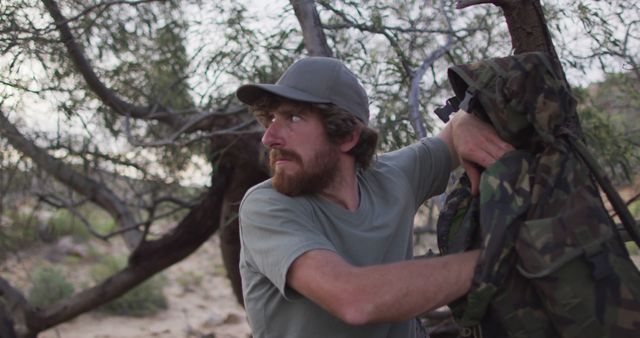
[302, 159]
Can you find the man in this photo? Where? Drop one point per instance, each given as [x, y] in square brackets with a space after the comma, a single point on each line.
[327, 242]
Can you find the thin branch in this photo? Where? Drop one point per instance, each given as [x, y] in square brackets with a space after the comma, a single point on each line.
[174, 200]
[171, 139]
[633, 199]
[404, 60]
[26, 89]
[414, 101]
[72, 206]
[94, 155]
[58, 202]
[104, 5]
[468, 3]
[403, 30]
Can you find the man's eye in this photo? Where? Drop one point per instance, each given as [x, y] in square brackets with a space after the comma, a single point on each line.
[295, 118]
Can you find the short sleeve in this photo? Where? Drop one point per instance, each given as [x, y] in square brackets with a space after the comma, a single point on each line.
[274, 231]
[427, 164]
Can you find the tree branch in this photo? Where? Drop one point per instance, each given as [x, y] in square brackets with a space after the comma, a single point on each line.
[155, 111]
[188, 126]
[149, 258]
[84, 67]
[404, 60]
[500, 3]
[92, 189]
[416, 76]
[17, 304]
[105, 4]
[60, 203]
[315, 41]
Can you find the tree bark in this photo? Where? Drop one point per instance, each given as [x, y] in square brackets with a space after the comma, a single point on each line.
[315, 41]
[529, 32]
[249, 158]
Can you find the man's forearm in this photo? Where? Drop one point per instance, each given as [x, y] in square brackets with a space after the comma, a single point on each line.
[381, 293]
[404, 290]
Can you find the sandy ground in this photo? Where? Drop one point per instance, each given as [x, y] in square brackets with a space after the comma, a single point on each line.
[201, 303]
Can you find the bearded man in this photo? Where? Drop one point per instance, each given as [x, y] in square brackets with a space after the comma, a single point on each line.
[327, 241]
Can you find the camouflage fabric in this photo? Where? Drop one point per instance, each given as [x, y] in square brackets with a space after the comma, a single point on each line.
[551, 265]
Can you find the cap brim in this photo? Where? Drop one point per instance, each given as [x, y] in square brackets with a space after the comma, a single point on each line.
[251, 93]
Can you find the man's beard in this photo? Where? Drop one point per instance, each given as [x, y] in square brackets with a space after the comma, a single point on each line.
[311, 177]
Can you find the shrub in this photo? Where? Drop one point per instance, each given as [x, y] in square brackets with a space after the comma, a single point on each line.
[635, 209]
[17, 230]
[190, 280]
[145, 299]
[63, 223]
[49, 286]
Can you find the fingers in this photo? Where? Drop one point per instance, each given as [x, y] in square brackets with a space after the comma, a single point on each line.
[474, 176]
[476, 141]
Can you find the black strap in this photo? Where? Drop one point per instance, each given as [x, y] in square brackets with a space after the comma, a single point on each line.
[614, 198]
[449, 108]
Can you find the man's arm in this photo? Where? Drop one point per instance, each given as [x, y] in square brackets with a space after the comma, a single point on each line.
[381, 293]
[471, 143]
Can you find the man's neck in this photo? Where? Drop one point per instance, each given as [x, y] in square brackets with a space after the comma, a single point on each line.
[343, 191]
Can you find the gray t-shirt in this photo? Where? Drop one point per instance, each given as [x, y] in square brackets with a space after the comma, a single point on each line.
[276, 229]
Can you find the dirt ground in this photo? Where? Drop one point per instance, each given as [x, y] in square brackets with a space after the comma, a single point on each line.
[200, 302]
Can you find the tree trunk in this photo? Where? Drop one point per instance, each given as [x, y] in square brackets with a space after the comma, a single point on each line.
[248, 157]
[529, 32]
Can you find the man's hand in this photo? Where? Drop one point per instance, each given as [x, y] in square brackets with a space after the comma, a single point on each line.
[474, 144]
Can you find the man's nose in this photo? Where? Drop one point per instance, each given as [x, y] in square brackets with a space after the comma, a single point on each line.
[272, 136]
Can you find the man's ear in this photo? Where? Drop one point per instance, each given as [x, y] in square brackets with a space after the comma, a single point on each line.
[351, 140]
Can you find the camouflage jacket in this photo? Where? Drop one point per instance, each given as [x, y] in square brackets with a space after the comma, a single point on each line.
[552, 264]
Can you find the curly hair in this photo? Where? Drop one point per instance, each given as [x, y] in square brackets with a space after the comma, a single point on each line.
[338, 123]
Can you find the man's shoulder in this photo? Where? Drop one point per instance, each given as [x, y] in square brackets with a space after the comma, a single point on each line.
[392, 159]
[261, 191]
[429, 143]
[264, 194]
[264, 187]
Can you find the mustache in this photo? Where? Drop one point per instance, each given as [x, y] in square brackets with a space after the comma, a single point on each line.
[283, 154]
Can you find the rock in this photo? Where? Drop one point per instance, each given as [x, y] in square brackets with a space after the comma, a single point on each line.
[64, 247]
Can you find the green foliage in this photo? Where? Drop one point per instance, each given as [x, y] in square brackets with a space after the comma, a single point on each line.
[18, 231]
[634, 208]
[144, 300]
[190, 280]
[49, 286]
[633, 249]
[609, 121]
[102, 223]
[63, 223]
[219, 270]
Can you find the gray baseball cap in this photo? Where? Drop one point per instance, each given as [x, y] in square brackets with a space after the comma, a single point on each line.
[316, 80]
